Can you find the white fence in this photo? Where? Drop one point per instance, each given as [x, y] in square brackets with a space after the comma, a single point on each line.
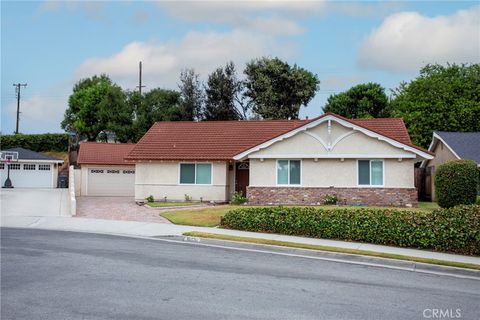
[71, 190]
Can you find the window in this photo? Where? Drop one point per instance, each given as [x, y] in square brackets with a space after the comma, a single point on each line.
[44, 167]
[370, 172]
[128, 171]
[14, 166]
[288, 172]
[195, 173]
[2, 166]
[29, 167]
[113, 171]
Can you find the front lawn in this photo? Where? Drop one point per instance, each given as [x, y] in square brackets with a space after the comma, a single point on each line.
[210, 217]
[161, 204]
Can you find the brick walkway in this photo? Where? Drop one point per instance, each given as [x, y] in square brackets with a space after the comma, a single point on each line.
[116, 208]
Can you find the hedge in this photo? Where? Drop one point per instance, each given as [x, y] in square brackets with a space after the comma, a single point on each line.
[452, 230]
[36, 142]
[456, 183]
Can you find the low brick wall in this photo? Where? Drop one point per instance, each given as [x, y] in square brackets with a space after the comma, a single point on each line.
[396, 197]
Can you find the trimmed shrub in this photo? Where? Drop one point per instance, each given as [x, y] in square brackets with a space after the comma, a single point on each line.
[454, 230]
[36, 142]
[456, 183]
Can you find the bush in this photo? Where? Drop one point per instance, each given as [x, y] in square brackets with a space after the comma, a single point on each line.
[330, 200]
[150, 198]
[456, 183]
[456, 229]
[36, 142]
[238, 198]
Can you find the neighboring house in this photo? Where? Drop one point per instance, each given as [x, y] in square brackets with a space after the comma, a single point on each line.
[361, 161]
[449, 146]
[32, 170]
[103, 170]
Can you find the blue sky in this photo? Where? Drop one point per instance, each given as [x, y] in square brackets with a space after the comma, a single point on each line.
[51, 45]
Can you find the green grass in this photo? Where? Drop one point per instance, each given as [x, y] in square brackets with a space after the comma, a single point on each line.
[332, 249]
[427, 205]
[171, 204]
[210, 217]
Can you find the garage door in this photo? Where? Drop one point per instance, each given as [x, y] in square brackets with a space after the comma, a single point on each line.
[29, 175]
[111, 181]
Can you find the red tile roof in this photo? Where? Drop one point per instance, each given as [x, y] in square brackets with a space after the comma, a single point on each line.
[103, 153]
[222, 140]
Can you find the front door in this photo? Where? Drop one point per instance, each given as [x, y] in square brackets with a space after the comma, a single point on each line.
[242, 177]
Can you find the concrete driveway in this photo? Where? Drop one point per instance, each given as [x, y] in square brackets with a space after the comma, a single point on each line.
[34, 202]
[116, 208]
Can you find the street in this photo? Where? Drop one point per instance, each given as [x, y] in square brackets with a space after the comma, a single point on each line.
[68, 275]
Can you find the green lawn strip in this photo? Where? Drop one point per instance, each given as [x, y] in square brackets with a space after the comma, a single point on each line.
[210, 217]
[332, 249]
[172, 204]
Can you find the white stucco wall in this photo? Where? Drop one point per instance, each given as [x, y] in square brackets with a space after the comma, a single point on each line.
[161, 179]
[357, 143]
[333, 172]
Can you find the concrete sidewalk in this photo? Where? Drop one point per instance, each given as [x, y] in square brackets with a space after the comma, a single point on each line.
[145, 229]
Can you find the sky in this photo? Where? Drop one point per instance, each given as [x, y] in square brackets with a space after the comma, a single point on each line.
[51, 45]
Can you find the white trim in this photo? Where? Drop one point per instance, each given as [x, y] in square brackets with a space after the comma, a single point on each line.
[288, 177]
[340, 121]
[432, 146]
[334, 156]
[370, 185]
[317, 137]
[37, 161]
[195, 177]
[343, 136]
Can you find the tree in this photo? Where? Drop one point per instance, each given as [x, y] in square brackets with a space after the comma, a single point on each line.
[96, 104]
[278, 90]
[443, 98]
[191, 96]
[223, 88]
[155, 105]
[361, 101]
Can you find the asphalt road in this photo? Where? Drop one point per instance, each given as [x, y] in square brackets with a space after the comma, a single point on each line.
[66, 275]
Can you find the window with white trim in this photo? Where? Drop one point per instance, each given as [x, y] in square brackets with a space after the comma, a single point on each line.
[2, 166]
[289, 172]
[44, 167]
[195, 173]
[370, 172]
[29, 166]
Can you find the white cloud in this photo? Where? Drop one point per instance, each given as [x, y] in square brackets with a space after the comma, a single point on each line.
[268, 17]
[39, 114]
[162, 62]
[406, 41]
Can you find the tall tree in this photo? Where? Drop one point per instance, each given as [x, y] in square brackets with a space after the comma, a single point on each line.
[361, 101]
[191, 95]
[222, 95]
[155, 105]
[278, 90]
[443, 98]
[96, 104]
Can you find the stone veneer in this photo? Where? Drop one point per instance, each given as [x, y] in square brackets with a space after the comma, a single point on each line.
[397, 197]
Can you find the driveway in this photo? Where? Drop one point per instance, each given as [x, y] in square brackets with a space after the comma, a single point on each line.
[116, 208]
[34, 202]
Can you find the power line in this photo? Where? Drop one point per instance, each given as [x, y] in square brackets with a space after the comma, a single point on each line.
[18, 87]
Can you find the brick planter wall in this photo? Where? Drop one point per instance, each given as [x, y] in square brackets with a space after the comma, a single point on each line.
[397, 197]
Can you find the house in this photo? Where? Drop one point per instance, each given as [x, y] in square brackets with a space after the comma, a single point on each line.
[103, 170]
[361, 161]
[30, 169]
[449, 146]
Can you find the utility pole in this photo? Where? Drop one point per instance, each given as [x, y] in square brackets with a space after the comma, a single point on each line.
[18, 87]
[140, 79]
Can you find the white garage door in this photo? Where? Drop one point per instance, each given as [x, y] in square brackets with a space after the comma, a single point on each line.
[29, 175]
[114, 181]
